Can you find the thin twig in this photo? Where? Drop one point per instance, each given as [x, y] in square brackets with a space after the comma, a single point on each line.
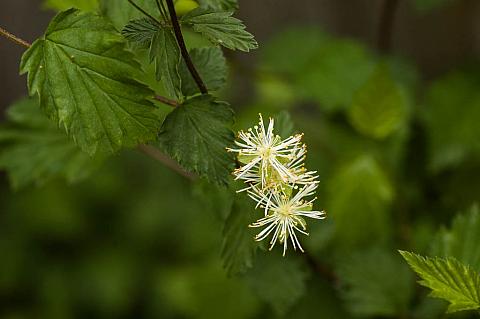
[143, 11]
[14, 38]
[183, 48]
[385, 26]
[166, 101]
[157, 155]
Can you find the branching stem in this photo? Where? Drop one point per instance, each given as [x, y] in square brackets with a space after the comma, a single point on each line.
[183, 48]
[14, 38]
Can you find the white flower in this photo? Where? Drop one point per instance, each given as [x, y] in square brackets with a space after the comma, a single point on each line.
[270, 161]
[284, 215]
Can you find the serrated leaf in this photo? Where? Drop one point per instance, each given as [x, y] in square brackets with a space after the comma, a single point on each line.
[453, 134]
[221, 29]
[121, 12]
[461, 240]
[449, 279]
[376, 283]
[59, 5]
[379, 106]
[359, 199]
[219, 5]
[239, 246]
[278, 281]
[85, 80]
[165, 53]
[33, 150]
[163, 49]
[212, 67]
[197, 133]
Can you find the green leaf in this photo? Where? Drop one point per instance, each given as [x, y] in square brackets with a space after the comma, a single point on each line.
[165, 53]
[453, 134]
[220, 5]
[163, 49]
[278, 281]
[449, 279]
[359, 199]
[221, 29]
[339, 68]
[376, 283]
[379, 107]
[33, 150]
[121, 12]
[196, 135]
[239, 246]
[85, 80]
[461, 240]
[60, 5]
[212, 67]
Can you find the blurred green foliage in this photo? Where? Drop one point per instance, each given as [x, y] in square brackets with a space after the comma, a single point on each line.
[398, 157]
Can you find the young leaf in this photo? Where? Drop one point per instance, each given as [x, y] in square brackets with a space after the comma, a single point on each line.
[379, 107]
[278, 281]
[461, 241]
[196, 135]
[33, 150]
[85, 80]
[376, 283]
[449, 279]
[220, 5]
[239, 246]
[359, 199]
[221, 29]
[453, 135]
[163, 51]
[212, 67]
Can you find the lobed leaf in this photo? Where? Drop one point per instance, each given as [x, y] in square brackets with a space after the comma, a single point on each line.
[212, 67]
[86, 82]
[449, 279]
[221, 29]
[197, 133]
[461, 240]
[239, 246]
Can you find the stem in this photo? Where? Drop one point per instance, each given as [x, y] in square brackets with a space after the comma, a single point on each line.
[143, 11]
[166, 101]
[164, 159]
[13, 38]
[387, 19]
[162, 10]
[183, 47]
[323, 270]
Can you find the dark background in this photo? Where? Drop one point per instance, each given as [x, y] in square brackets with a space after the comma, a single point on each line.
[435, 41]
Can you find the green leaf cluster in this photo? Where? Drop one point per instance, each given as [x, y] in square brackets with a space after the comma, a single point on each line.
[33, 150]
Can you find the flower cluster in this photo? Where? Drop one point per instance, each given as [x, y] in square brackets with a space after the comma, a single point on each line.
[276, 178]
